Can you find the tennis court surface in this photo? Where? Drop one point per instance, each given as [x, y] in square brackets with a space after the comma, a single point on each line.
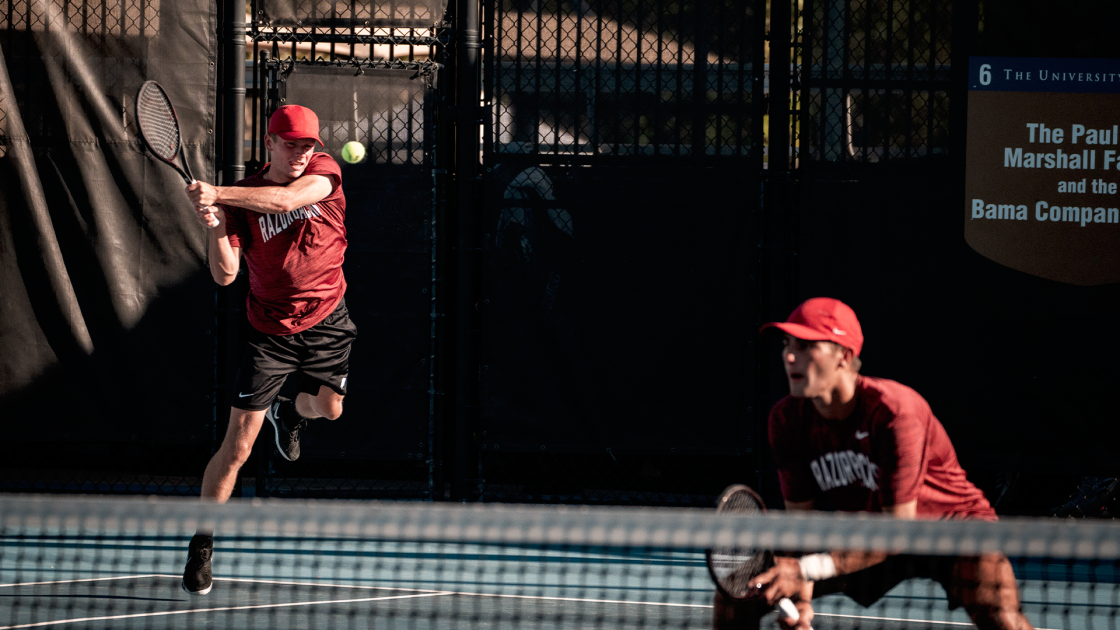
[117, 563]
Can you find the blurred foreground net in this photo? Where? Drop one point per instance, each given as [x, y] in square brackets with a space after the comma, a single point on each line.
[101, 563]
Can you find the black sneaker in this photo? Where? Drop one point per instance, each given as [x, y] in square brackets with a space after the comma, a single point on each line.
[197, 578]
[286, 424]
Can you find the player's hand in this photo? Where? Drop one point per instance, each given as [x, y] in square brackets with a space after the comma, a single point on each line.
[782, 580]
[210, 216]
[202, 194]
[804, 621]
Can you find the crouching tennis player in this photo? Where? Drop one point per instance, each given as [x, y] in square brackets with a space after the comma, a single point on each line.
[863, 444]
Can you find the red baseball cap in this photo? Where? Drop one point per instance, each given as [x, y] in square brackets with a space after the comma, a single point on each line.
[823, 319]
[295, 122]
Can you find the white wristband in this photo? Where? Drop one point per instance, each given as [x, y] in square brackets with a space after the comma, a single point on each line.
[817, 566]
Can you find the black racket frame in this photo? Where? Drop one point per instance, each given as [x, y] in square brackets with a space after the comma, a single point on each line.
[185, 170]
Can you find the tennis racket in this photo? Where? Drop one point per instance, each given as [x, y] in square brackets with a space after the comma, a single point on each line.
[734, 569]
[159, 129]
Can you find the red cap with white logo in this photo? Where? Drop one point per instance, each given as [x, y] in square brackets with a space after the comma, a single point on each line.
[295, 122]
[823, 319]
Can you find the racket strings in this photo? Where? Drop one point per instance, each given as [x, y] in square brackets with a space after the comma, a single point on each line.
[735, 568]
[740, 503]
[157, 123]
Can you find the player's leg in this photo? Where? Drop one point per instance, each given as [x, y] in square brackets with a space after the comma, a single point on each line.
[217, 485]
[729, 614]
[325, 368]
[326, 403]
[986, 587]
[314, 401]
[221, 473]
[265, 364]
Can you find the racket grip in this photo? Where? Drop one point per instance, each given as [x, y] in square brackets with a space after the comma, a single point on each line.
[208, 224]
[788, 609]
[214, 217]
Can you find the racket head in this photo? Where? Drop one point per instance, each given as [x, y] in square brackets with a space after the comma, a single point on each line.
[159, 126]
[734, 569]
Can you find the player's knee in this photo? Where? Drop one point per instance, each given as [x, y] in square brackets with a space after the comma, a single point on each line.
[242, 450]
[327, 404]
[997, 618]
[333, 410]
[722, 613]
[241, 432]
[235, 452]
[729, 614]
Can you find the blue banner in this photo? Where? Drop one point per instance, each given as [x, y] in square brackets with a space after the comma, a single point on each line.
[1040, 74]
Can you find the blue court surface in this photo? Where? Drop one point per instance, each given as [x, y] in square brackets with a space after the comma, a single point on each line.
[60, 581]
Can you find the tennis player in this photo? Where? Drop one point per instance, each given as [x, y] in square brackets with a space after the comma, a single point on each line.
[862, 444]
[286, 222]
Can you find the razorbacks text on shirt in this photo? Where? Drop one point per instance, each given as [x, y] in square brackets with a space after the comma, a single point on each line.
[843, 468]
[273, 224]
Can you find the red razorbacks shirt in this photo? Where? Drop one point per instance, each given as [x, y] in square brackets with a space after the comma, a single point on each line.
[295, 259]
[890, 450]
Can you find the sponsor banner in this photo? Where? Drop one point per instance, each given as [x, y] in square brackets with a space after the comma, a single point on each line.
[1043, 166]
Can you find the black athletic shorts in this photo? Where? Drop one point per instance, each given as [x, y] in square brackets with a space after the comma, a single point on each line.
[317, 356]
[866, 587]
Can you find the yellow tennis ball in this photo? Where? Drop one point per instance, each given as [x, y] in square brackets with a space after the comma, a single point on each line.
[353, 152]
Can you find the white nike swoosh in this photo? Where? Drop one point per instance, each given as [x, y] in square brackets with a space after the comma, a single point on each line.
[861, 434]
[244, 395]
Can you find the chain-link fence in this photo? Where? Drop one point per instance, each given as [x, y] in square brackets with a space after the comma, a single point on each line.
[611, 79]
[115, 38]
[873, 79]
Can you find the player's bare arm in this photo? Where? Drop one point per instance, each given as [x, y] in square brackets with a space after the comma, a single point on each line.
[224, 259]
[306, 190]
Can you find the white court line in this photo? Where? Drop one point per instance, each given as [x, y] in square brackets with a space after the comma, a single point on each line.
[100, 579]
[220, 579]
[420, 590]
[947, 623]
[59, 622]
[577, 599]
[325, 584]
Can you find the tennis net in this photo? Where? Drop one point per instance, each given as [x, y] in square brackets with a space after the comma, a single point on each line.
[117, 563]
